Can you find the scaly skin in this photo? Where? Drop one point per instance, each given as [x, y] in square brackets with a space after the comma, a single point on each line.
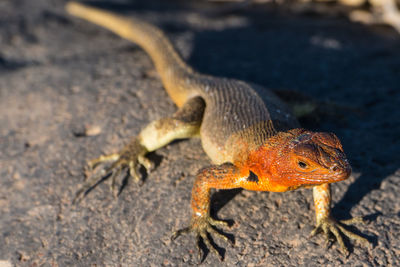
[251, 137]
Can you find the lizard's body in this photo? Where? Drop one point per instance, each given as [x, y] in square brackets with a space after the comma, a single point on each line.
[247, 132]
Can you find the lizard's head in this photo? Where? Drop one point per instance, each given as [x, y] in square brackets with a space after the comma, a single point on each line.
[311, 158]
[303, 158]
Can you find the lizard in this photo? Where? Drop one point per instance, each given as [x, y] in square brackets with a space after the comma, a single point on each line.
[252, 138]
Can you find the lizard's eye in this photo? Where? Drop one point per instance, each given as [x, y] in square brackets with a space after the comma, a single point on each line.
[302, 164]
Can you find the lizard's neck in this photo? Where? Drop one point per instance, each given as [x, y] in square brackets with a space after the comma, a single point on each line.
[264, 160]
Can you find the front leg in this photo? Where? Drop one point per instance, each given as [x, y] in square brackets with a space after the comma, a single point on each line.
[322, 202]
[225, 176]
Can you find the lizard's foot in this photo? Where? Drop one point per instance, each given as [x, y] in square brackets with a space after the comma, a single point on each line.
[129, 158]
[203, 227]
[328, 225]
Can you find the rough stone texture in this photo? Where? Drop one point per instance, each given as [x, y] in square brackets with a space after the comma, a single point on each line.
[59, 75]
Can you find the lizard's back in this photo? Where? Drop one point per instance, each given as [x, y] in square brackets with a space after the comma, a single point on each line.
[238, 111]
[235, 110]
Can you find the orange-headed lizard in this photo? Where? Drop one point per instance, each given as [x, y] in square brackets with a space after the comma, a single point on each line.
[251, 137]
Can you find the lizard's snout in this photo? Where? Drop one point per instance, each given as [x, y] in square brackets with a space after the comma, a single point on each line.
[336, 162]
[341, 169]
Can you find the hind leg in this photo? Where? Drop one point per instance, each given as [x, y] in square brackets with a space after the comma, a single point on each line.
[185, 123]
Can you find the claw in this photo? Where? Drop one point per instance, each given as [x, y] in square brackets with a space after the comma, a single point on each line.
[114, 177]
[353, 221]
[315, 231]
[133, 171]
[198, 240]
[203, 228]
[180, 232]
[212, 231]
[329, 225]
[334, 229]
[352, 235]
[208, 244]
[102, 159]
[127, 159]
[220, 223]
[148, 164]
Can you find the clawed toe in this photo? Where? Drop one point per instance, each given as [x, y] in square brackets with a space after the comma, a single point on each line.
[145, 162]
[112, 166]
[353, 221]
[219, 223]
[207, 241]
[92, 164]
[204, 230]
[330, 226]
[134, 172]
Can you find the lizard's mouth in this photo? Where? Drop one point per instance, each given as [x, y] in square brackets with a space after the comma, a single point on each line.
[332, 175]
